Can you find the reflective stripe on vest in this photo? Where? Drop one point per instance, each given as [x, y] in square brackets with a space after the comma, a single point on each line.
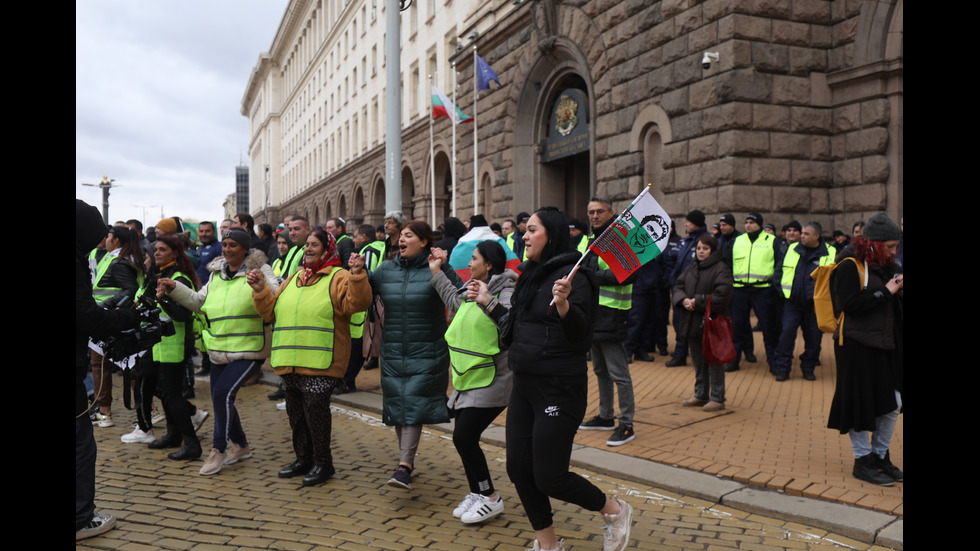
[371, 262]
[233, 323]
[619, 297]
[473, 341]
[170, 349]
[753, 263]
[790, 261]
[102, 293]
[303, 335]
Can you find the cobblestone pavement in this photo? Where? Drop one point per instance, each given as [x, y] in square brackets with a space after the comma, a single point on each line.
[163, 504]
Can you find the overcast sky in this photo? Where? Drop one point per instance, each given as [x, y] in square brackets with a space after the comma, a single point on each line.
[158, 90]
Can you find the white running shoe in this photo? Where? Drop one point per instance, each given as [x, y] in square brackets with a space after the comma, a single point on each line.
[103, 420]
[156, 417]
[281, 406]
[138, 437]
[537, 546]
[616, 529]
[483, 510]
[99, 524]
[198, 418]
[465, 505]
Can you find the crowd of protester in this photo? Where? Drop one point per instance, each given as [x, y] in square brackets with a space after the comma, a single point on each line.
[323, 303]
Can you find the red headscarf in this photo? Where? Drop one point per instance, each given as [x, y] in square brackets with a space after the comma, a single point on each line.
[329, 257]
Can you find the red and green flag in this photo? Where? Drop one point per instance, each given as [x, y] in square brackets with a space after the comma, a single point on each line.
[637, 236]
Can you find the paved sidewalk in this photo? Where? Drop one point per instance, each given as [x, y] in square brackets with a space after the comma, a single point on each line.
[162, 504]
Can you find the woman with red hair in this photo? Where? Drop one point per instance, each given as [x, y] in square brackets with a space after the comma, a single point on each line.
[868, 345]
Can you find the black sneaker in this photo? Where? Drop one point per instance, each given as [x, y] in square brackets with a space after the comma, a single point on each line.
[888, 468]
[623, 434]
[866, 469]
[677, 361]
[598, 423]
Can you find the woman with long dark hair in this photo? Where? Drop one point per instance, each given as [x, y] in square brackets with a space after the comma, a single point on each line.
[166, 360]
[311, 345]
[482, 379]
[414, 355]
[869, 348]
[548, 346]
[705, 279]
[118, 275]
[235, 337]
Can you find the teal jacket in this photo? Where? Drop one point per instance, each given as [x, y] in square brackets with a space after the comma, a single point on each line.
[414, 354]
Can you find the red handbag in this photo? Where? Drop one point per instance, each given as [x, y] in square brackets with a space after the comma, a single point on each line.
[718, 346]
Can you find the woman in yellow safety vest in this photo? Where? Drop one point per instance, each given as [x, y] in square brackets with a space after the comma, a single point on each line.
[118, 275]
[311, 345]
[482, 380]
[166, 360]
[234, 336]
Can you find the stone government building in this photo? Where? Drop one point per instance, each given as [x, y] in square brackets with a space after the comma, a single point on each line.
[801, 116]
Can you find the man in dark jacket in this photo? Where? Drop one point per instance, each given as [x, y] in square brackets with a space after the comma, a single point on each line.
[726, 225]
[793, 274]
[609, 360]
[680, 257]
[91, 320]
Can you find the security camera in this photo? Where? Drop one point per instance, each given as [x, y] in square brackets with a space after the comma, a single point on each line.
[708, 58]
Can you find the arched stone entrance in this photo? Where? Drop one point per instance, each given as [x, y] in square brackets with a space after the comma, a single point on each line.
[569, 181]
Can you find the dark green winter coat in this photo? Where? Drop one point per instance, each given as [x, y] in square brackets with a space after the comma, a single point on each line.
[414, 355]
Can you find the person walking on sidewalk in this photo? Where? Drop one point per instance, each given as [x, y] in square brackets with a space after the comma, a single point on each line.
[235, 337]
[548, 344]
[482, 379]
[311, 345]
[869, 348]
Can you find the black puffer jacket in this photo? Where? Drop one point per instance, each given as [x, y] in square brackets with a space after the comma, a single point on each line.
[414, 355]
[702, 279]
[541, 342]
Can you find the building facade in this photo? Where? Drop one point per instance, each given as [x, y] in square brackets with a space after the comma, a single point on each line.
[801, 115]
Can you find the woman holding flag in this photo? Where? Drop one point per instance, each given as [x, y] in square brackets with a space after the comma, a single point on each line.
[548, 346]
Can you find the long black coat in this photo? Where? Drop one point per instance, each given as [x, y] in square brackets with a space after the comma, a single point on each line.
[870, 363]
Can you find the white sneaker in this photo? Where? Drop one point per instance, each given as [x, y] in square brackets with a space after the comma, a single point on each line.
[138, 437]
[616, 529]
[537, 546]
[468, 502]
[281, 406]
[483, 510]
[103, 420]
[156, 417]
[99, 524]
[198, 418]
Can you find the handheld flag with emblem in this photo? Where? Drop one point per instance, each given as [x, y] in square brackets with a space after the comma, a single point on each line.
[637, 236]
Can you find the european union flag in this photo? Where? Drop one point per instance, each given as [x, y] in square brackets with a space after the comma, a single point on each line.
[484, 74]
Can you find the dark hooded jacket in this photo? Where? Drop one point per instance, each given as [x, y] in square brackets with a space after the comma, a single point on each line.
[703, 279]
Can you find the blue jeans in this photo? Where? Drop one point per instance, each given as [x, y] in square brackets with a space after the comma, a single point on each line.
[881, 437]
[794, 317]
[611, 367]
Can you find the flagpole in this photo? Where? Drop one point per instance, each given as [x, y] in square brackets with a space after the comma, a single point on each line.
[432, 157]
[476, 175]
[572, 273]
[452, 169]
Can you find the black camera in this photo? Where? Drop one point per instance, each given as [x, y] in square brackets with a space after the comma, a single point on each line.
[152, 329]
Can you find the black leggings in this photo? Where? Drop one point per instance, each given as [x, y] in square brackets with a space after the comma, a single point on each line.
[178, 410]
[542, 419]
[470, 424]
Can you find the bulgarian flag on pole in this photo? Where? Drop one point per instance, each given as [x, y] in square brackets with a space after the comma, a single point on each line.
[638, 236]
[442, 107]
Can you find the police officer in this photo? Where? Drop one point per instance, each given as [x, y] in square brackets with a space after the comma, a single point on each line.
[754, 255]
[793, 274]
